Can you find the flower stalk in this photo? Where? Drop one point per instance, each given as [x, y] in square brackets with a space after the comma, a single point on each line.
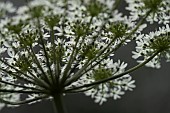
[51, 48]
[115, 76]
[58, 103]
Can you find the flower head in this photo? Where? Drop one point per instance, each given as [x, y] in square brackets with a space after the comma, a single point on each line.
[158, 10]
[52, 47]
[6, 8]
[155, 41]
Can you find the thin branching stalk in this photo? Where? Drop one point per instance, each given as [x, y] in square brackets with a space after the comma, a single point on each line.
[17, 70]
[20, 86]
[53, 48]
[24, 101]
[58, 103]
[17, 76]
[39, 66]
[116, 76]
[22, 91]
[84, 69]
[55, 59]
[116, 4]
[51, 80]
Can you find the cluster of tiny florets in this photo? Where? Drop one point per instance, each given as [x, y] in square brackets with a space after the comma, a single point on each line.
[147, 44]
[68, 46]
[159, 10]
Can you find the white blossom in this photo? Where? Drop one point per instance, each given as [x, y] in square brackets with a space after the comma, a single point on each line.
[55, 46]
[138, 8]
[143, 50]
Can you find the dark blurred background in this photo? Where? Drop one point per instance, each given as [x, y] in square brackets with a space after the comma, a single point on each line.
[152, 94]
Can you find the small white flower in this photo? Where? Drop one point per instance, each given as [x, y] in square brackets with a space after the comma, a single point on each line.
[117, 93]
[137, 9]
[7, 7]
[143, 42]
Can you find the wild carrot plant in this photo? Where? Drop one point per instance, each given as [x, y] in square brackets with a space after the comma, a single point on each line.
[50, 48]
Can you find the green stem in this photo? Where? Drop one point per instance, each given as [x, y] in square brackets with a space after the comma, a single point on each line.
[24, 101]
[19, 85]
[51, 80]
[32, 53]
[116, 4]
[17, 70]
[21, 91]
[58, 103]
[55, 59]
[81, 72]
[116, 76]
[17, 76]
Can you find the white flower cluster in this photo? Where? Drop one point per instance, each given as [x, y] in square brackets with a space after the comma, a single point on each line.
[144, 46]
[6, 8]
[112, 89]
[78, 21]
[159, 9]
[52, 46]
[148, 43]
[7, 96]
